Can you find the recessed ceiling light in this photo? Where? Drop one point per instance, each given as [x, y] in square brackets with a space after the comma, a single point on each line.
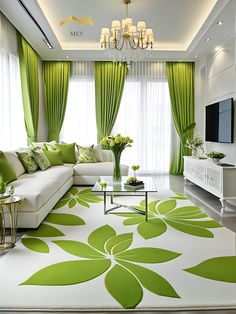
[196, 56]
[220, 22]
[67, 56]
[207, 39]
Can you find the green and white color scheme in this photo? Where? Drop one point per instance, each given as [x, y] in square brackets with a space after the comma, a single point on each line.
[79, 259]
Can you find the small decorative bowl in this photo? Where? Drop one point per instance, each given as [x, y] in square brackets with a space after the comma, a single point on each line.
[216, 160]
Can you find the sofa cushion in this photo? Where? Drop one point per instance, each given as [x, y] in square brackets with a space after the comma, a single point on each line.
[98, 152]
[39, 187]
[54, 157]
[107, 155]
[67, 152]
[6, 171]
[40, 158]
[27, 160]
[15, 163]
[97, 169]
[86, 154]
[42, 144]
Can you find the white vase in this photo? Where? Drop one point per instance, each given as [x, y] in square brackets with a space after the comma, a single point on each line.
[194, 152]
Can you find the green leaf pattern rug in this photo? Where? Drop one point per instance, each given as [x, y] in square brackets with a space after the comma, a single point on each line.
[80, 259]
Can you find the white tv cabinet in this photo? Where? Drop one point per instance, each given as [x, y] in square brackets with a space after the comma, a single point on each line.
[220, 181]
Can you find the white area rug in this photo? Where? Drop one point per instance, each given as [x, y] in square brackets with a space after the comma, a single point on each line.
[79, 259]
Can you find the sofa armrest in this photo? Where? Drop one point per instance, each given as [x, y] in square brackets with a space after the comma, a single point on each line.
[107, 155]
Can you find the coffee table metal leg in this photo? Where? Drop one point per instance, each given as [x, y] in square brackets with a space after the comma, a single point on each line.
[13, 211]
[2, 226]
[146, 206]
[111, 199]
[105, 203]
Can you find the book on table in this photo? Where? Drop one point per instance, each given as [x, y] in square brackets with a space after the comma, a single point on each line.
[134, 187]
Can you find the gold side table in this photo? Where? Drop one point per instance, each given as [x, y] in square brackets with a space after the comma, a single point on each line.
[10, 205]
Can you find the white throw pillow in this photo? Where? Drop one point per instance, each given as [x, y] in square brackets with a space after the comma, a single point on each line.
[15, 163]
[98, 152]
[41, 144]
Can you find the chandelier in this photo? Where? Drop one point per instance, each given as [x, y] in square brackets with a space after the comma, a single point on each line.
[125, 35]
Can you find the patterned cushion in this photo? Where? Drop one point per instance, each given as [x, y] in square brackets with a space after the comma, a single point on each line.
[27, 160]
[40, 158]
[86, 154]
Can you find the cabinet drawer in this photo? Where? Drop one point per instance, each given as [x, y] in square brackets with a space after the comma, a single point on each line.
[188, 168]
[199, 171]
[214, 179]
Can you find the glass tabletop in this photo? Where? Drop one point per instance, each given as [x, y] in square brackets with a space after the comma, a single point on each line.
[11, 200]
[148, 186]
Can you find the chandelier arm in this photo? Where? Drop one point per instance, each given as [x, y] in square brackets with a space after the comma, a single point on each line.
[133, 44]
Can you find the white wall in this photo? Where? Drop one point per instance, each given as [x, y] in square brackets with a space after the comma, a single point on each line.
[216, 81]
[42, 125]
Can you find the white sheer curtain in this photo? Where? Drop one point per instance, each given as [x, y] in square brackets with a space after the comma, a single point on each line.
[145, 115]
[12, 128]
[80, 121]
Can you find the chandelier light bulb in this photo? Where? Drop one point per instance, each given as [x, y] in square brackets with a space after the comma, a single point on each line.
[141, 26]
[105, 31]
[116, 24]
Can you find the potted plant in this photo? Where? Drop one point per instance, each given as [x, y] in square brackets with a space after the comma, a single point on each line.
[194, 144]
[216, 156]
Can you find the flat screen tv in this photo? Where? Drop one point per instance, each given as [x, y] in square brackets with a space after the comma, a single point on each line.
[220, 122]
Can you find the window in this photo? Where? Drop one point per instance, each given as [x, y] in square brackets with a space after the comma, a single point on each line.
[12, 128]
[80, 121]
[145, 116]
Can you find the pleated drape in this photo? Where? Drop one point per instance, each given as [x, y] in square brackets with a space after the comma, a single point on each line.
[181, 86]
[56, 75]
[30, 87]
[109, 85]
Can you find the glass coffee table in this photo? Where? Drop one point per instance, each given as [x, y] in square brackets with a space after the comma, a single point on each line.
[119, 189]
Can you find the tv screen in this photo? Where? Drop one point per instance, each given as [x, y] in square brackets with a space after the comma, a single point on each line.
[219, 122]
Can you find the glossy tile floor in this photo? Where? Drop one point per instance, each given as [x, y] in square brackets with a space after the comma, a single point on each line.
[200, 198]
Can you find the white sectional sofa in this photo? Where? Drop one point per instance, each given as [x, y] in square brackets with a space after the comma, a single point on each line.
[42, 189]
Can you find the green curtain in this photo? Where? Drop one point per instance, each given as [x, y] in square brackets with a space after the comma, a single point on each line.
[109, 85]
[56, 75]
[29, 60]
[181, 86]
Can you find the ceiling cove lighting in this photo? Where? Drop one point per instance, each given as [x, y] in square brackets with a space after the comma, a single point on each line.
[125, 35]
[45, 39]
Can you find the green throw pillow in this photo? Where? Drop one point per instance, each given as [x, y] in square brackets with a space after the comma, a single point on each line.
[86, 154]
[28, 161]
[67, 152]
[40, 158]
[6, 172]
[54, 157]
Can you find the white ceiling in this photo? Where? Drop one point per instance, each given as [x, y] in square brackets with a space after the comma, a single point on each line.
[180, 26]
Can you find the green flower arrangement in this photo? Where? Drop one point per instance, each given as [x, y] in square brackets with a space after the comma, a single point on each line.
[103, 185]
[131, 180]
[116, 143]
[196, 142]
